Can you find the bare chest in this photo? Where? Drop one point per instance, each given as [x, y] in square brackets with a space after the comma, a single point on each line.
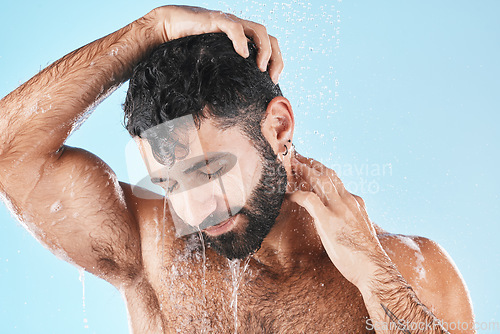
[214, 295]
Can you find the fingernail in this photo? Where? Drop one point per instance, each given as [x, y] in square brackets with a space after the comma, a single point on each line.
[275, 79]
[263, 67]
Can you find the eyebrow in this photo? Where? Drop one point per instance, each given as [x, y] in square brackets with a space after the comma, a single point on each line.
[191, 169]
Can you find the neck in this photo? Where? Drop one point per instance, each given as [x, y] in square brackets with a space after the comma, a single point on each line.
[293, 240]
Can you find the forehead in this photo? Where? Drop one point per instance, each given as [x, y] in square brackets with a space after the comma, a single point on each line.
[202, 143]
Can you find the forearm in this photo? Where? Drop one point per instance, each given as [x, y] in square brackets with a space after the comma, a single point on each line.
[37, 117]
[394, 307]
[354, 245]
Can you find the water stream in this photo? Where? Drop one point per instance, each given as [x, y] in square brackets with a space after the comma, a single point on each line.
[82, 279]
[205, 320]
[204, 281]
[236, 275]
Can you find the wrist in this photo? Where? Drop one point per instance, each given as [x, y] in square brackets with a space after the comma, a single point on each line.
[385, 284]
[381, 273]
[149, 29]
[157, 24]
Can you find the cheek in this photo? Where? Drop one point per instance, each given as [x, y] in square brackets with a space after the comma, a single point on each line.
[240, 181]
[233, 188]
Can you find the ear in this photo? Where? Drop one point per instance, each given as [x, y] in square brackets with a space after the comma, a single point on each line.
[279, 124]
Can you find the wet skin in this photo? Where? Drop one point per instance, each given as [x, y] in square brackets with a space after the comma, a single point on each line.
[290, 283]
[294, 283]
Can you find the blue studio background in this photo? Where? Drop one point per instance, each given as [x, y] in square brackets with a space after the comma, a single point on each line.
[400, 97]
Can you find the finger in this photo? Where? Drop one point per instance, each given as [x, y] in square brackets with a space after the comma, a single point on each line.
[309, 162]
[235, 32]
[322, 183]
[319, 183]
[358, 199]
[310, 201]
[360, 203]
[276, 61]
[330, 173]
[311, 174]
[259, 35]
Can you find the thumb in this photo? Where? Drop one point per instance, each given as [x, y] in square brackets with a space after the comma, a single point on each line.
[310, 201]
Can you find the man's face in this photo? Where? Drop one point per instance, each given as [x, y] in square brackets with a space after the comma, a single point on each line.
[229, 187]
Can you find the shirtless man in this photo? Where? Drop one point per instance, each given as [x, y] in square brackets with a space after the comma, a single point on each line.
[314, 262]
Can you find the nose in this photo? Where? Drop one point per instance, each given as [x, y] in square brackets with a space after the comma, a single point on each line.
[194, 205]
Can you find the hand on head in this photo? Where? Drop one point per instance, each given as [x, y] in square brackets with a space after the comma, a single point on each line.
[180, 21]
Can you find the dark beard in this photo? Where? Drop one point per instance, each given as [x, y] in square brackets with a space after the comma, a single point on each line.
[260, 211]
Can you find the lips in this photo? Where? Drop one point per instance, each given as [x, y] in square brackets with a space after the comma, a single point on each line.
[222, 227]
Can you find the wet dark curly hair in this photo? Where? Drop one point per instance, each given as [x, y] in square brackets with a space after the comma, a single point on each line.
[202, 76]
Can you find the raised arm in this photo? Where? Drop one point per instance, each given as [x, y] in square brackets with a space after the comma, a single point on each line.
[68, 198]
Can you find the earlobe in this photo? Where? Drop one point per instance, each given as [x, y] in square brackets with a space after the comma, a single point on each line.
[288, 149]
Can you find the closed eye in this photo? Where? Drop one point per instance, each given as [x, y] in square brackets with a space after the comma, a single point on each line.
[212, 175]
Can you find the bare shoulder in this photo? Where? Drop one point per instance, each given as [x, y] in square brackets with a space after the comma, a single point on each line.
[432, 273]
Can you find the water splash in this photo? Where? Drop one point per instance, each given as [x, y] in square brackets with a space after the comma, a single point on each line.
[82, 279]
[160, 237]
[419, 258]
[204, 268]
[205, 321]
[165, 203]
[164, 224]
[56, 206]
[236, 276]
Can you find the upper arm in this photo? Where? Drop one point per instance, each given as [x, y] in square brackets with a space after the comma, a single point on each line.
[434, 277]
[74, 205]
